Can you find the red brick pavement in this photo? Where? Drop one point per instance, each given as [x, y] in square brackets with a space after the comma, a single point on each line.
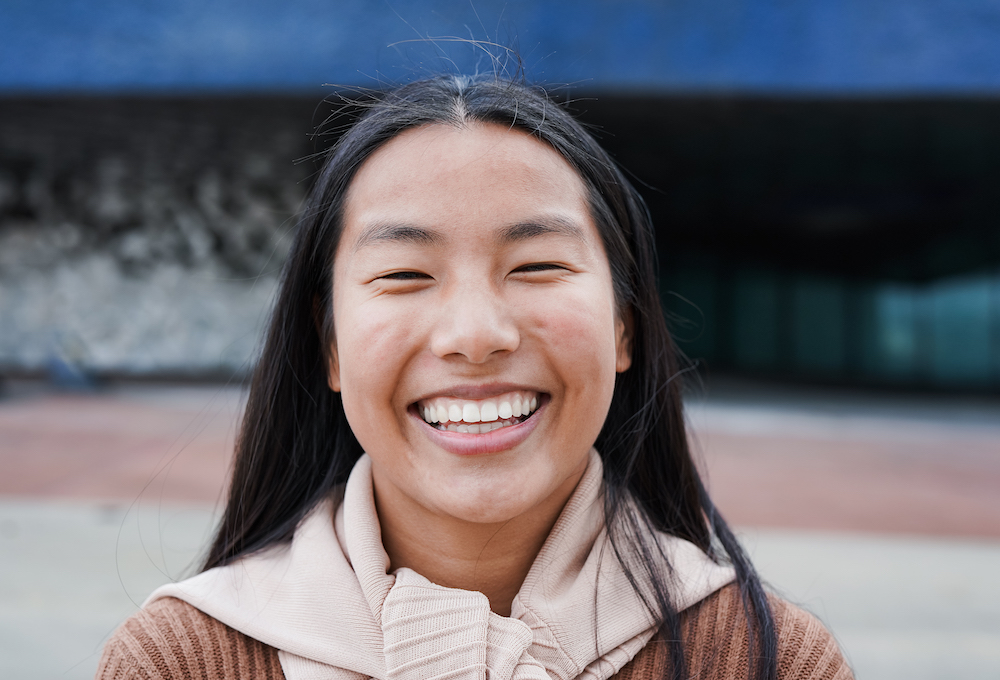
[176, 445]
[941, 486]
[118, 446]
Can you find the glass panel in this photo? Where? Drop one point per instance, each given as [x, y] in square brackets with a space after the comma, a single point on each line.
[818, 326]
[755, 319]
[960, 330]
[896, 335]
[689, 299]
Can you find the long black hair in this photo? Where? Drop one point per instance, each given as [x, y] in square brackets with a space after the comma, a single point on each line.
[295, 444]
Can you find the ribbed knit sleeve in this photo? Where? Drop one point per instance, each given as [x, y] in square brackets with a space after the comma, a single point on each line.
[716, 644]
[171, 640]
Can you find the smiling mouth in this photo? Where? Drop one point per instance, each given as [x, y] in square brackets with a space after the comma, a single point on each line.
[478, 416]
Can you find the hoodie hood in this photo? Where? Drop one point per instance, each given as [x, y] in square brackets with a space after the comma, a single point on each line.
[330, 606]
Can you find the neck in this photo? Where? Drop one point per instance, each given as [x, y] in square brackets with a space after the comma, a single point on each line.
[492, 558]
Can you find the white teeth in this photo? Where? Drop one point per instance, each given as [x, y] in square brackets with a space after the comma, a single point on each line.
[505, 411]
[488, 413]
[478, 416]
[470, 413]
[464, 429]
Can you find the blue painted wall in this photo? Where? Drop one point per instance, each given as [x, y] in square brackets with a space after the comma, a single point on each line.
[779, 46]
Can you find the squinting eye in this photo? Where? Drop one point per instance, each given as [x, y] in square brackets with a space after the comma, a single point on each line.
[405, 276]
[538, 267]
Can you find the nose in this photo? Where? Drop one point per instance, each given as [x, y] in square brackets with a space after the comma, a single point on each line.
[475, 322]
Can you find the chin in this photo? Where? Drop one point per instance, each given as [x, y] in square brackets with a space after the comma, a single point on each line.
[485, 501]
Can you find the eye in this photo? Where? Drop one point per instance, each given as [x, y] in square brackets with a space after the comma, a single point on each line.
[405, 276]
[539, 267]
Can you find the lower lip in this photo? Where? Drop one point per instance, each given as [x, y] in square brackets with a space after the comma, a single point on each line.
[465, 444]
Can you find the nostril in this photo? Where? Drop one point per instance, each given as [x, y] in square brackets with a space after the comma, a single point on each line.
[475, 330]
[475, 347]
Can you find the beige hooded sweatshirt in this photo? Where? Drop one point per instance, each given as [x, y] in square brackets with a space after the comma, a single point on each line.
[329, 605]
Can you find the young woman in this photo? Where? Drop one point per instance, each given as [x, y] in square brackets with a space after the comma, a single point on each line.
[463, 454]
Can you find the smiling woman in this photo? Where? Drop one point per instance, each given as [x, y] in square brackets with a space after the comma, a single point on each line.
[463, 453]
[489, 310]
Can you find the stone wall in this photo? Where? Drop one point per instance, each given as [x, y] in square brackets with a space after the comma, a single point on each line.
[145, 235]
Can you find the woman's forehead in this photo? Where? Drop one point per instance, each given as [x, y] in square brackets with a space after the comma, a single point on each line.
[449, 173]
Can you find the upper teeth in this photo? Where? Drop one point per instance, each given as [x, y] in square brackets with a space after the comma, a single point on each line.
[449, 410]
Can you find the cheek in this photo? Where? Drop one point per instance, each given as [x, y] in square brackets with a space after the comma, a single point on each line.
[580, 337]
[373, 348]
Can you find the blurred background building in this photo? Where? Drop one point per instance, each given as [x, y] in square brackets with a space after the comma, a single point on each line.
[823, 175]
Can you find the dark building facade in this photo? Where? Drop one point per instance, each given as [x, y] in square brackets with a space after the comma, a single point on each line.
[822, 177]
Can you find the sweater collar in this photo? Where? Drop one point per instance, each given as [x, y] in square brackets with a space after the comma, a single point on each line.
[329, 605]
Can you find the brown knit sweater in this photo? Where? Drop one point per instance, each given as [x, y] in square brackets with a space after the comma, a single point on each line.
[173, 640]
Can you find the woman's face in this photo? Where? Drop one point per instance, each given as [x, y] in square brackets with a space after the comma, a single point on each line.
[476, 334]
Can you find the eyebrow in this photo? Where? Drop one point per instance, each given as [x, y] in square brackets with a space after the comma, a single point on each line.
[397, 233]
[521, 231]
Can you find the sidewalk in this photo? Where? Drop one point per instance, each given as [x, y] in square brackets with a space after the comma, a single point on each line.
[880, 517]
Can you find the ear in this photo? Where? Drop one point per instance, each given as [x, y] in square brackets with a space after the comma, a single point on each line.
[333, 368]
[332, 360]
[623, 341]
